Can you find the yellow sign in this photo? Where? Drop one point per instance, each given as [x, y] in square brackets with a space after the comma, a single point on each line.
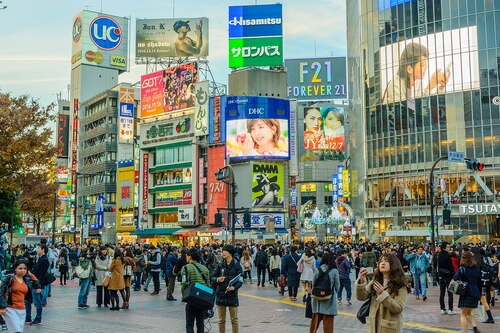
[118, 61]
[308, 187]
[125, 197]
[345, 183]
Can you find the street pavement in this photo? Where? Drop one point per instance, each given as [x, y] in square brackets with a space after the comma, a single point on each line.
[260, 310]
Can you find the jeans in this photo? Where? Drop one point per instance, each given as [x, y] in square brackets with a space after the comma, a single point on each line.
[191, 315]
[233, 313]
[137, 280]
[84, 291]
[261, 271]
[37, 301]
[344, 283]
[148, 280]
[247, 275]
[45, 294]
[420, 284]
[443, 287]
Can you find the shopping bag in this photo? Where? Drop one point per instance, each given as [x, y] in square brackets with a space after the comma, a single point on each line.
[479, 314]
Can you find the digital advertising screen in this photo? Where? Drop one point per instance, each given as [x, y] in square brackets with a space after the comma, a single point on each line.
[444, 62]
[152, 94]
[267, 185]
[324, 128]
[257, 128]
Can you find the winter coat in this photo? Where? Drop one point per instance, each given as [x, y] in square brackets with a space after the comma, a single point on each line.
[140, 263]
[230, 271]
[289, 269]
[471, 275]
[344, 267]
[368, 259]
[418, 264]
[40, 269]
[101, 267]
[172, 261]
[386, 310]
[443, 263]
[117, 281]
[328, 306]
[6, 289]
[275, 262]
[309, 267]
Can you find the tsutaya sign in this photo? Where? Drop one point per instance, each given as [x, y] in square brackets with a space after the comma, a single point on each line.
[480, 209]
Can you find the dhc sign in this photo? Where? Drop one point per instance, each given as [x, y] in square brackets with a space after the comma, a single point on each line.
[105, 33]
[480, 209]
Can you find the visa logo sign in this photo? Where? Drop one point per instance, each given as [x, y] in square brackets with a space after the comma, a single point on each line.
[105, 33]
[118, 61]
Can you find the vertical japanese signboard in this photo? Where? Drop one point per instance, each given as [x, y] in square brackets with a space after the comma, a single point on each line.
[145, 186]
[126, 130]
[125, 200]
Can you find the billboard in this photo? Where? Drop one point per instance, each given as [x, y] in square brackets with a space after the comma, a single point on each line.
[265, 51]
[152, 94]
[173, 198]
[166, 130]
[126, 114]
[175, 176]
[161, 38]
[100, 40]
[257, 128]
[258, 220]
[429, 65]
[145, 186]
[324, 128]
[201, 109]
[316, 79]
[180, 87]
[267, 185]
[63, 135]
[255, 21]
[217, 190]
[217, 120]
[125, 197]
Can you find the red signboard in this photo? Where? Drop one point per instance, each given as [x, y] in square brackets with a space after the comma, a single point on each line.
[174, 198]
[216, 120]
[217, 189]
[74, 145]
[145, 186]
[201, 180]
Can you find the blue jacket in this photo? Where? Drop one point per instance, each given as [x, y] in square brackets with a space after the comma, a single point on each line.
[418, 264]
[171, 263]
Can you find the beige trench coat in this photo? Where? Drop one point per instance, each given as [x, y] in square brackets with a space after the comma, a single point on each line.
[386, 311]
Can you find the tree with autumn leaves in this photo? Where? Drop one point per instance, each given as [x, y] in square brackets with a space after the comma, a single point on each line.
[26, 155]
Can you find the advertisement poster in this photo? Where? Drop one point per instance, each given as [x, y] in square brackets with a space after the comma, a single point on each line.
[429, 65]
[174, 198]
[152, 94]
[217, 119]
[217, 189]
[324, 128]
[160, 38]
[63, 135]
[125, 197]
[201, 109]
[126, 114]
[257, 128]
[180, 84]
[266, 51]
[267, 185]
[176, 176]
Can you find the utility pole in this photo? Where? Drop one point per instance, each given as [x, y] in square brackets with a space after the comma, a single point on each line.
[431, 199]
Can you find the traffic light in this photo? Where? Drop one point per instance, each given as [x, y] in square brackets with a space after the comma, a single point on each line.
[430, 229]
[20, 230]
[222, 173]
[446, 216]
[247, 223]
[475, 165]
[218, 220]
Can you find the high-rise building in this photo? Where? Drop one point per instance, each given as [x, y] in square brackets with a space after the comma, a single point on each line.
[423, 83]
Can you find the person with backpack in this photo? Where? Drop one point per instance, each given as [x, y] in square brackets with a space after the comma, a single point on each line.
[487, 273]
[246, 263]
[261, 261]
[289, 270]
[325, 285]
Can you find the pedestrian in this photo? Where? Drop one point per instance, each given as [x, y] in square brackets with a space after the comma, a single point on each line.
[307, 274]
[116, 282]
[194, 272]
[344, 268]
[261, 261]
[289, 270]
[39, 269]
[155, 268]
[140, 264]
[128, 271]
[275, 266]
[172, 262]
[85, 272]
[369, 260]
[486, 267]
[419, 262]
[387, 292]
[15, 291]
[325, 310]
[102, 262]
[471, 274]
[246, 263]
[63, 266]
[445, 272]
[228, 279]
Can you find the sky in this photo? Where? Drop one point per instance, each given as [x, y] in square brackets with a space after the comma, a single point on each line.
[35, 36]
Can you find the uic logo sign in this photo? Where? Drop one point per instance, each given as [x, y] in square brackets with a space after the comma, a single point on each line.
[105, 33]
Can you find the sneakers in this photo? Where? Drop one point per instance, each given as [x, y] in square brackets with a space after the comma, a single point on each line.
[4, 327]
[451, 313]
[424, 298]
[443, 312]
[349, 303]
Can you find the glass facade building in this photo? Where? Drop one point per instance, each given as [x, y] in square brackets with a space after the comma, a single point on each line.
[423, 78]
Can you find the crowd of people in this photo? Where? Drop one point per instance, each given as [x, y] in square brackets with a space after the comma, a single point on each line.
[383, 275]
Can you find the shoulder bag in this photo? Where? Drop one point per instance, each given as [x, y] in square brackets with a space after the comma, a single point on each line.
[198, 295]
[458, 287]
[364, 311]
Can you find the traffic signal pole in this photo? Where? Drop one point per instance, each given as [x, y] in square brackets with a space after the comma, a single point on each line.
[431, 200]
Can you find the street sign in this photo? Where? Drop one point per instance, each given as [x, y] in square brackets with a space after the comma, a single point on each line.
[456, 156]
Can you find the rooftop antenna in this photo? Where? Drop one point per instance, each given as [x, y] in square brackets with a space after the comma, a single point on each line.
[101, 6]
[173, 8]
[2, 7]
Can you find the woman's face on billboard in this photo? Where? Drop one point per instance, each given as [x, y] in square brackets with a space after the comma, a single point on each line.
[331, 121]
[261, 133]
[313, 120]
[419, 69]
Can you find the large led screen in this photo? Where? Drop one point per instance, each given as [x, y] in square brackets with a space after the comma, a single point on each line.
[257, 128]
[324, 128]
[179, 87]
[439, 63]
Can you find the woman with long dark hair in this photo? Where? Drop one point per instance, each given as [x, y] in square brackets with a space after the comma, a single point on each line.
[128, 271]
[388, 291]
[63, 266]
[117, 281]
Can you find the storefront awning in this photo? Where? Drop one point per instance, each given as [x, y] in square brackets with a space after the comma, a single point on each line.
[183, 231]
[154, 232]
[212, 230]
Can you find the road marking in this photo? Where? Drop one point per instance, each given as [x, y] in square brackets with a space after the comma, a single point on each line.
[347, 314]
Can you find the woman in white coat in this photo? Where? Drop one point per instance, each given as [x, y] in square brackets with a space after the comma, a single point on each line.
[306, 277]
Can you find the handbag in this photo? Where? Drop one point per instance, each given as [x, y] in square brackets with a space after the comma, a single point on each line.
[198, 295]
[479, 314]
[127, 270]
[458, 287]
[106, 281]
[309, 310]
[364, 311]
[82, 273]
[49, 278]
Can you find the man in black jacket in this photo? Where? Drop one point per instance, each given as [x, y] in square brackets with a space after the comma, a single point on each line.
[445, 272]
[40, 269]
[261, 260]
[228, 279]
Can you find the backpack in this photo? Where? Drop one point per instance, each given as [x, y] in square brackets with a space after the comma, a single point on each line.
[260, 259]
[322, 286]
